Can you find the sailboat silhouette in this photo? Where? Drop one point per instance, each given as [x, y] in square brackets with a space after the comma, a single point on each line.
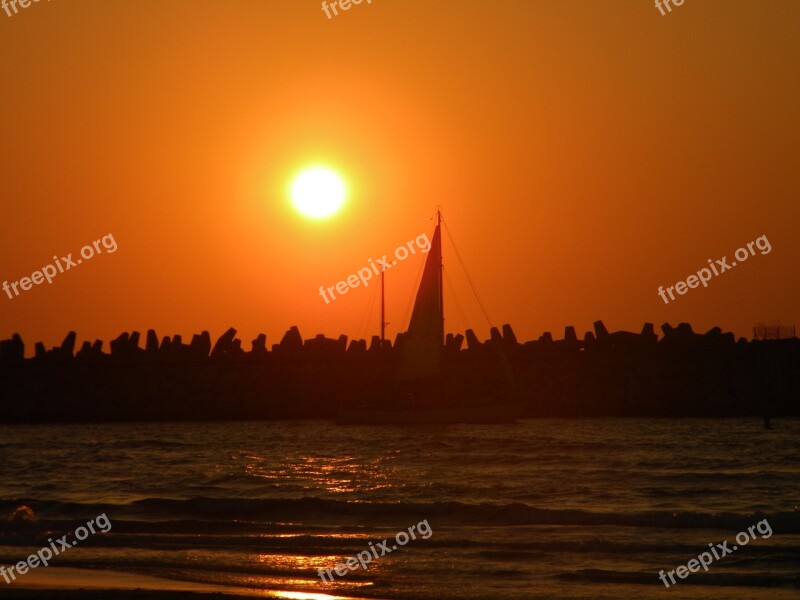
[418, 392]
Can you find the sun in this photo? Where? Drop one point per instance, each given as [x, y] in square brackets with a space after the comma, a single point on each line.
[318, 192]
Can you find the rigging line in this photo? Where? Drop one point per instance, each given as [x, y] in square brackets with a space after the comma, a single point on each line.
[365, 315]
[469, 279]
[456, 301]
[373, 304]
[406, 319]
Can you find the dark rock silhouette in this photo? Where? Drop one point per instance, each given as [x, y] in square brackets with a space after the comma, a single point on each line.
[604, 374]
[13, 350]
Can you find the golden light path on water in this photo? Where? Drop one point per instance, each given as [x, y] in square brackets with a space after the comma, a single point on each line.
[337, 475]
[75, 579]
[304, 596]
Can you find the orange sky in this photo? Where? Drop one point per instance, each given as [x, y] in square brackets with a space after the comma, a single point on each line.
[584, 153]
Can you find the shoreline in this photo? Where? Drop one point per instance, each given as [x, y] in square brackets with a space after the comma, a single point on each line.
[64, 583]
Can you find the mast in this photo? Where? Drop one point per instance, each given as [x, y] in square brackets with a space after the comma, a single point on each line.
[441, 267]
[383, 306]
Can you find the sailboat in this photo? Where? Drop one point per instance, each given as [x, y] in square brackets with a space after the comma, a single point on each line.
[419, 392]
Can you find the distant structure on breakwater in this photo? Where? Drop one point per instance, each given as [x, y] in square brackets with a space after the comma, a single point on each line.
[683, 374]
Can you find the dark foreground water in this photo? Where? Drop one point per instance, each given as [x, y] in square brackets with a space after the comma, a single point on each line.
[540, 509]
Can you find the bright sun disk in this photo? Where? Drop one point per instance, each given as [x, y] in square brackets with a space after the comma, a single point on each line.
[318, 192]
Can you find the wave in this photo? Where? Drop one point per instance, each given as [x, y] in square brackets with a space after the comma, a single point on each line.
[331, 512]
[767, 580]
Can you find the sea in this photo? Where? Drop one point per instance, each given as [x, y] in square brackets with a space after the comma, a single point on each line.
[546, 508]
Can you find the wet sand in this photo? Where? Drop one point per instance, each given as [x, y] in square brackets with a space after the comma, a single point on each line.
[78, 584]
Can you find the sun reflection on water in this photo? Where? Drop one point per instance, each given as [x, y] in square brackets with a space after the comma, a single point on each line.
[334, 474]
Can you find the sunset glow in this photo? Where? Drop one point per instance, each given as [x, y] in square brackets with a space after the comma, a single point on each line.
[374, 299]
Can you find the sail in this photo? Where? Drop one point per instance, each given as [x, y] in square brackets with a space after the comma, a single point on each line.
[422, 343]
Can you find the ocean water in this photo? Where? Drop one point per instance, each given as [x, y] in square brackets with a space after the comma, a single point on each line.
[538, 509]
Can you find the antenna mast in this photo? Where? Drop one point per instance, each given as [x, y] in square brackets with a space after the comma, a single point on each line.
[441, 267]
[383, 306]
